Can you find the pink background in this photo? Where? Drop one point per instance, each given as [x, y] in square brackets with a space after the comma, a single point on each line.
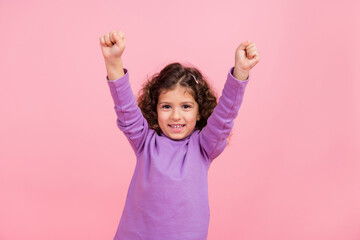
[292, 168]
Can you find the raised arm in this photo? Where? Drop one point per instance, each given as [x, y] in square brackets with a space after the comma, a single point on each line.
[112, 46]
[129, 117]
[213, 136]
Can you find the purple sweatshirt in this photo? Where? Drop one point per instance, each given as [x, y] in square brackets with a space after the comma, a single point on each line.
[168, 195]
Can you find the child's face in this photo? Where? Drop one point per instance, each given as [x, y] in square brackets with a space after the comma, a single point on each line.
[177, 112]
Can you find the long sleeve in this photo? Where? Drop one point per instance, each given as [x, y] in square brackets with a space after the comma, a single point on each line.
[129, 117]
[213, 136]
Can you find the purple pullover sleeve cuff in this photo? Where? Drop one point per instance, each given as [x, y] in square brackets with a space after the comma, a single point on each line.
[119, 81]
[231, 72]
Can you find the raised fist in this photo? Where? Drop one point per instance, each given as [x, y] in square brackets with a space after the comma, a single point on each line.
[246, 56]
[112, 45]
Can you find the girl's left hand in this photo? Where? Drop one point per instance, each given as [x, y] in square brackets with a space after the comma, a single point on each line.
[246, 57]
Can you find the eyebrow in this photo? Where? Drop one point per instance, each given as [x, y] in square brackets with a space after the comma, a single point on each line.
[180, 103]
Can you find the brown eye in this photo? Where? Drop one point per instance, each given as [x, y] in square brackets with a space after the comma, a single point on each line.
[165, 106]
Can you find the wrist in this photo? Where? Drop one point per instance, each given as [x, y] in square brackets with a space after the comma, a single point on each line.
[240, 74]
[113, 62]
[114, 69]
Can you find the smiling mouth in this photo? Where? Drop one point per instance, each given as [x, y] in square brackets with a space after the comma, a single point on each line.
[176, 126]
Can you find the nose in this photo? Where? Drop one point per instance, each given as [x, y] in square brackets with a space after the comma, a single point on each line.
[176, 114]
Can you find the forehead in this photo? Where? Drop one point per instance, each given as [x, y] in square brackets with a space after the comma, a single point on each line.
[179, 93]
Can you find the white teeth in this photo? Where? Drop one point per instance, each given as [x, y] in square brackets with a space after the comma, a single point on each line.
[176, 126]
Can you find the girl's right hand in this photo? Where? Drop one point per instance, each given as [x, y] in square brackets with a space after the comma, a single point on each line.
[112, 45]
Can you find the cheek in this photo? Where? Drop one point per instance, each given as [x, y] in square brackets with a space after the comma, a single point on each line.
[197, 116]
[192, 118]
[161, 118]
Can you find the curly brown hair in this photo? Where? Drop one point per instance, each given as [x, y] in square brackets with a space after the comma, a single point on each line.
[172, 75]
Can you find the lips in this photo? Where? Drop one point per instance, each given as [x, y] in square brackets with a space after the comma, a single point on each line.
[176, 127]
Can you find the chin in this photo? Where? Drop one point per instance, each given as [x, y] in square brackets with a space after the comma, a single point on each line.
[178, 137]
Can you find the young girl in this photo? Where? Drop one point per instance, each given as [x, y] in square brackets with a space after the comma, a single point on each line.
[176, 132]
